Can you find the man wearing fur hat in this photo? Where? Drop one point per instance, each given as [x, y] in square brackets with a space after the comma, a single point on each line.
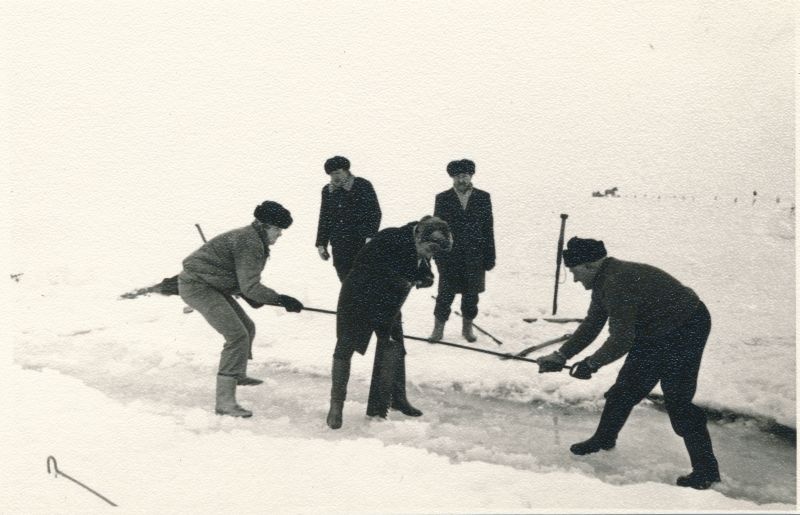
[468, 212]
[227, 265]
[662, 326]
[349, 215]
[370, 300]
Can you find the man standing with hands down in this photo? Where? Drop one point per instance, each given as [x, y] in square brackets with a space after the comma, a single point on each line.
[370, 300]
[468, 212]
[662, 326]
[231, 264]
[349, 215]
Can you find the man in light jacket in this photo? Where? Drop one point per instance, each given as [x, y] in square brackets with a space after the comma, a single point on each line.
[227, 265]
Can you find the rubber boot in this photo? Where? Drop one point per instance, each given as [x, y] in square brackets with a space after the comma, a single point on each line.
[438, 330]
[705, 469]
[466, 331]
[615, 414]
[383, 372]
[399, 400]
[243, 379]
[226, 398]
[340, 375]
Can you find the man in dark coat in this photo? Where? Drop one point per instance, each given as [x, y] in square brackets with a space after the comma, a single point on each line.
[662, 326]
[370, 300]
[349, 215]
[227, 265]
[468, 212]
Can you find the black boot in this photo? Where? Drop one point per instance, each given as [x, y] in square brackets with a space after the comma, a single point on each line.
[340, 375]
[380, 388]
[591, 445]
[399, 400]
[705, 469]
[615, 413]
[698, 480]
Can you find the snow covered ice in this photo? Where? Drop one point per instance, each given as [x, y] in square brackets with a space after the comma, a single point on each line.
[121, 144]
[102, 373]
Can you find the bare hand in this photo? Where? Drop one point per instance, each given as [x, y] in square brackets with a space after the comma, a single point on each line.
[323, 253]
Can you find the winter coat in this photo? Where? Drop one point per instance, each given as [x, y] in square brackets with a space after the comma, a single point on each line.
[640, 301]
[377, 286]
[347, 218]
[463, 270]
[232, 264]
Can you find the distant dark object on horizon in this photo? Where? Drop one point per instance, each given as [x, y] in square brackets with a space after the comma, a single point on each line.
[608, 193]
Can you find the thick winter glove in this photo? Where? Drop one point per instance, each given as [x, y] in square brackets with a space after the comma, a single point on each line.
[323, 253]
[425, 282]
[583, 369]
[553, 362]
[290, 303]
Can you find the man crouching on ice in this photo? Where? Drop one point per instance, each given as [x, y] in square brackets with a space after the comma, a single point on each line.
[662, 326]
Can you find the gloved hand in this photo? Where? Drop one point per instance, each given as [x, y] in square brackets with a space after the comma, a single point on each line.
[553, 362]
[290, 303]
[425, 282]
[488, 265]
[583, 369]
[323, 253]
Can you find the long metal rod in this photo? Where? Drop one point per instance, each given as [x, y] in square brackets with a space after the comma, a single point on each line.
[558, 260]
[542, 345]
[441, 342]
[201, 233]
[467, 347]
[57, 472]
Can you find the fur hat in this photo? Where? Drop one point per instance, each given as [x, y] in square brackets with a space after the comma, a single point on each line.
[337, 163]
[580, 251]
[272, 213]
[432, 229]
[462, 166]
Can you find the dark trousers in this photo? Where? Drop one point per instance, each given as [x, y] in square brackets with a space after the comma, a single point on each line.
[674, 359]
[469, 305]
[346, 345]
[388, 369]
[344, 255]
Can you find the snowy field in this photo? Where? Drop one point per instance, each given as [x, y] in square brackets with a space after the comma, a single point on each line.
[94, 379]
[130, 123]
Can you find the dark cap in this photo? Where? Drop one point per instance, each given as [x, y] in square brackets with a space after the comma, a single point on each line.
[337, 163]
[583, 250]
[272, 213]
[461, 166]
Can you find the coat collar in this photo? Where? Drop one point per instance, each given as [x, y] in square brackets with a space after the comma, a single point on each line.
[261, 231]
[347, 186]
[602, 273]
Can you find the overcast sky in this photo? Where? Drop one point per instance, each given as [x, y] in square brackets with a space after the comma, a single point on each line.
[112, 106]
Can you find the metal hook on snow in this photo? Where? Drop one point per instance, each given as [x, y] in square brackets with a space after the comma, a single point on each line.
[55, 467]
[57, 472]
